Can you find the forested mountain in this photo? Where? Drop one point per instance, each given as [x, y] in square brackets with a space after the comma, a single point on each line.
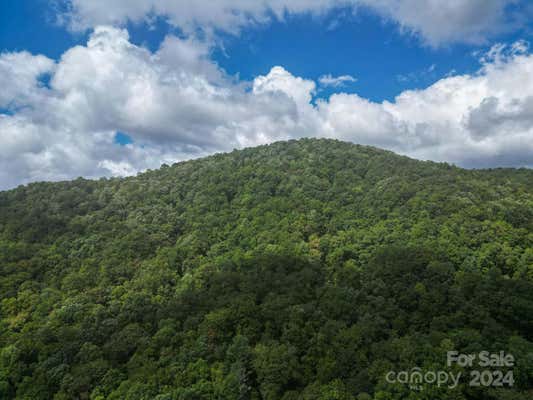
[299, 270]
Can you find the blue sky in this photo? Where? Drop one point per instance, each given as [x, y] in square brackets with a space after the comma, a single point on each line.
[365, 47]
[270, 60]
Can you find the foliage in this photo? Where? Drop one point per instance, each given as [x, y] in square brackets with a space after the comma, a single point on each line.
[299, 270]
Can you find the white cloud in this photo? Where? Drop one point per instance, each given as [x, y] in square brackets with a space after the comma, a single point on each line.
[335, 82]
[438, 22]
[177, 104]
[19, 77]
[280, 80]
[227, 15]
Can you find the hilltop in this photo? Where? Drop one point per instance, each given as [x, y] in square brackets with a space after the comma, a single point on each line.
[301, 269]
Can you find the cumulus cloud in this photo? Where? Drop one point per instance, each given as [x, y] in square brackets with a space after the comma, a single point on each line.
[177, 104]
[335, 81]
[19, 78]
[174, 103]
[438, 22]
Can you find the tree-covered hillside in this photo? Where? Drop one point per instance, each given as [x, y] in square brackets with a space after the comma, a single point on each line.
[300, 270]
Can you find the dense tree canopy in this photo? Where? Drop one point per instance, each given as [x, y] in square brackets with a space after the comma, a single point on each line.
[299, 270]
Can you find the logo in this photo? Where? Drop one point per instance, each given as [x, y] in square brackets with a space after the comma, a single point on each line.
[485, 369]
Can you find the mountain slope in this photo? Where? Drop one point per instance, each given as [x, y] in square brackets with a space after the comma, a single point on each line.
[302, 269]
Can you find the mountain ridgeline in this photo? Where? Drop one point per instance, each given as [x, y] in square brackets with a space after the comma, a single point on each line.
[299, 270]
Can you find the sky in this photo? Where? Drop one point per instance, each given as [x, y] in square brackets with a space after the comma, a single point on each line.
[98, 88]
